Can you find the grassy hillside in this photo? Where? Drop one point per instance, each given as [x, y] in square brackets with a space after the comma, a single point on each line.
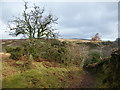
[41, 75]
[54, 63]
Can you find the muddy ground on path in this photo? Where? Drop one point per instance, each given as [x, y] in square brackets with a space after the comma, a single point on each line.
[87, 80]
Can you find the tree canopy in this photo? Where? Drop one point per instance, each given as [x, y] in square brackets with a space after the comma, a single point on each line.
[34, 23]
[96, 37]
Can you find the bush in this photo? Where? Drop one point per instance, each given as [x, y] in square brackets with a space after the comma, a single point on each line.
[93, 57]
[92, 45]
[16, 52]
[55, 54]
[53, 50]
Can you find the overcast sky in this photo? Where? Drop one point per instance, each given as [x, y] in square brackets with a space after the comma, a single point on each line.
[76, 19]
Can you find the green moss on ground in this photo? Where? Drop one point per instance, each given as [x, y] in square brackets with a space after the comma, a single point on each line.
[41, 77]
[107, 72]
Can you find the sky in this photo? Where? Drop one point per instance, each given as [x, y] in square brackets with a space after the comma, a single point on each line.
[76, 19]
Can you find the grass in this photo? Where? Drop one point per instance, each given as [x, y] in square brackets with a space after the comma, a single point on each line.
[8, 70]
[48, 72]
[40, 76]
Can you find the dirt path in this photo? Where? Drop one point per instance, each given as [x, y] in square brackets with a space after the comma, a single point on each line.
[87, 80]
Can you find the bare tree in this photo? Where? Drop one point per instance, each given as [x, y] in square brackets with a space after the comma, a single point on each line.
[34, 23]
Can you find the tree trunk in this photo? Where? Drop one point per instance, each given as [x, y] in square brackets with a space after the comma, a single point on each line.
[38, 34]
[30, 37]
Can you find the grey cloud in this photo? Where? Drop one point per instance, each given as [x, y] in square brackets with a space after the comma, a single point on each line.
[91, 16]
[76, 20]
[11, 10]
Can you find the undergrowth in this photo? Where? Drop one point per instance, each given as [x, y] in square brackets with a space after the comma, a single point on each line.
[41, 77]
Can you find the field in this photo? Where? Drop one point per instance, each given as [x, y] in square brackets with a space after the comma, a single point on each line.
[58, 63]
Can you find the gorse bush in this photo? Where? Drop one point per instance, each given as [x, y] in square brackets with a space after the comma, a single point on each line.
[53, 50]
[16, 52]
[93, 57]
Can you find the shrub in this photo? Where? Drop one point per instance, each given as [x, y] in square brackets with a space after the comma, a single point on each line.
[53, 50]
[16, 52]
[92, 45]
[93, 57]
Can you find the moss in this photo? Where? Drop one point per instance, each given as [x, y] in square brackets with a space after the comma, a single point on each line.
[109, 75]
[42, 77]
[15, 81]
